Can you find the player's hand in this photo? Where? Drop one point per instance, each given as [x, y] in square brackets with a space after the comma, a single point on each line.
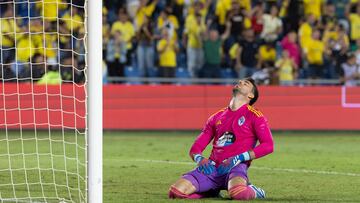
[231, 162]
[205, 165]
[227, 165]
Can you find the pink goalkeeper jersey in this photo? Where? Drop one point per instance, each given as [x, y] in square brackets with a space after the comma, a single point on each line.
[235, 132]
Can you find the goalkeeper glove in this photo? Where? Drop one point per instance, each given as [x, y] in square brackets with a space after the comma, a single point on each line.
[206, 166]
[231, 162]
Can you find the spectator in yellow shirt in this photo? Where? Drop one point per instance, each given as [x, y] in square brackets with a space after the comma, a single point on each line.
[127, 30]
[314, 7]
[246, 4]
[198, 6]
[169, 21]
[167, 49]
[221, 10]
[193, 33]
[145, 9]
[25, 50]
[315, 55]
[305, 31]
[73, 20]
[8, 27]
[50, 9]
[354, 19]
[267, 55]
[286, 69]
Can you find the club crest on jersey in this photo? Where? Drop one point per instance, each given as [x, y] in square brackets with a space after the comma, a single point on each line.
[226, 139]
[241, 121]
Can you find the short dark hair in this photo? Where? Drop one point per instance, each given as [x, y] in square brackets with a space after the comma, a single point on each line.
[255, 91]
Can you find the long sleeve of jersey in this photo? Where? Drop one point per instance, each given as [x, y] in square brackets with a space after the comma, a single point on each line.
[205, 137]
[264, 136]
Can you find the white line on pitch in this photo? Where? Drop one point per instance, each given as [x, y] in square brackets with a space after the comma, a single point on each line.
[254, 167]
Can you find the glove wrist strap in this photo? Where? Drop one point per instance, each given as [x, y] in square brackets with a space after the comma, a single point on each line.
[245, 157]
[198, 158]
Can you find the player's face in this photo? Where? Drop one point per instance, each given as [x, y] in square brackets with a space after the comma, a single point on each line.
[244, 88]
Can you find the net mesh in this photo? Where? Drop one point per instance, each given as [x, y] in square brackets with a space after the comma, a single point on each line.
[43, 143]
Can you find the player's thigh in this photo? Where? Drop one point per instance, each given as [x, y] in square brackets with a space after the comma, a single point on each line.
[204, 183]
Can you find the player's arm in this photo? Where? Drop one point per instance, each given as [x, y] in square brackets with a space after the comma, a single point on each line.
[205, 137]
[206, 165]
[263, 133]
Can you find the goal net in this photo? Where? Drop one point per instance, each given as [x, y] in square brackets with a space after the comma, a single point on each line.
[43, 108]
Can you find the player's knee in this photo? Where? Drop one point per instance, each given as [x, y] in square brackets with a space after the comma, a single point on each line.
[174, 192]
[241, 192]
[181, 189]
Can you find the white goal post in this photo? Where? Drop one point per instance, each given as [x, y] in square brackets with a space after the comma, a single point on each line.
[51, 101]
[95, 101]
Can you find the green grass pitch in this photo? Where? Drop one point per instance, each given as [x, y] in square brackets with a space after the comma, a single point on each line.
[296, 172]
[140, 166]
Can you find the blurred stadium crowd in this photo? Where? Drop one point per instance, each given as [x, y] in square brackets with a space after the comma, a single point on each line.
[42, 41]
[274, 41]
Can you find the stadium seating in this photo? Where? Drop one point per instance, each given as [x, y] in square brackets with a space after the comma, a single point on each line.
[133, 75]
[182, 73]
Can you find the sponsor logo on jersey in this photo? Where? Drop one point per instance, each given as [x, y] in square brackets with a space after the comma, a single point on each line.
[241, 121]
[226, 139]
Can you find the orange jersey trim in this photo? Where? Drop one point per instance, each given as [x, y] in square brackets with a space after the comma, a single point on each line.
[221, 110]
[255, 111]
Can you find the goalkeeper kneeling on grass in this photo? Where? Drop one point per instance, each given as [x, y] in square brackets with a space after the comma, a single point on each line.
[234, 132]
